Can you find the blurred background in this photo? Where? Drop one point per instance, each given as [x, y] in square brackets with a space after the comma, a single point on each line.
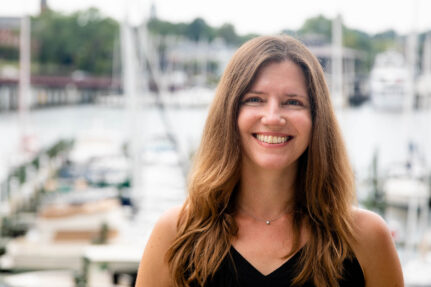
[102, 105]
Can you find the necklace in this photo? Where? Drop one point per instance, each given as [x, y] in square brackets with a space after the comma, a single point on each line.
[267, 221]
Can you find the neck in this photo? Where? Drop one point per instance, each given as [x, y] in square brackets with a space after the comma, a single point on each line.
[265, 193]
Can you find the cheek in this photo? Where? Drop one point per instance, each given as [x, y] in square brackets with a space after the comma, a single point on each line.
[308, 127]
[302, 123]
[243, 122]
[305, 127]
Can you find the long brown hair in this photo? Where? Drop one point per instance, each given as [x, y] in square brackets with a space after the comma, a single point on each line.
[324, 185]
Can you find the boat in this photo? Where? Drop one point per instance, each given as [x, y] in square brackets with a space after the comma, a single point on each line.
[407, 195]
[66, 224]
[80, 206]
[389, 81]
[51, 278]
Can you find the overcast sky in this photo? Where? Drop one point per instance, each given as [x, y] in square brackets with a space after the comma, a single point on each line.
[254, 16]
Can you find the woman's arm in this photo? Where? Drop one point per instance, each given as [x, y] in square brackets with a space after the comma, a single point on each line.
[375, 251]
[153, 269]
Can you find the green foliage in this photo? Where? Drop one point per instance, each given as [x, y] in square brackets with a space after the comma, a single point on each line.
[384, 41]
[21, 174]
[59, 147]
[85, 40]
[197, 30]
[317, 25]
[376, 198]
[102, 236]
[369, 45]
[227, 32]
[81, 41]
[356, 39]
[165, 28]
[362, 42]
[9, 53]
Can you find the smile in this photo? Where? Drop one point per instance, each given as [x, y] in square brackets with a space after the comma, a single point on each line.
[272, 139]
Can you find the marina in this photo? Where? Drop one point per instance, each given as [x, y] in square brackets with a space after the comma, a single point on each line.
[89, 162]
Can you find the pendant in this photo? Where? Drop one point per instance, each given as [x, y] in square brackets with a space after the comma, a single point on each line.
[268, 222]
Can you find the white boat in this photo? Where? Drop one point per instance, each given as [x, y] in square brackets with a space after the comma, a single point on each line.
[389, 81]
[407, 195]
[64, 228]
[108, 171]
[52, 278]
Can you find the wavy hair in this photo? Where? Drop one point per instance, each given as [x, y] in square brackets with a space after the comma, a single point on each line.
[324, 189]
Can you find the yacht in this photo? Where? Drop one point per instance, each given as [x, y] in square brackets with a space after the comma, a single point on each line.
[389, 81]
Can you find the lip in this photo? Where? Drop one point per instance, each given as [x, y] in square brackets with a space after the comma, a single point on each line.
[272, 134]
[273, 145]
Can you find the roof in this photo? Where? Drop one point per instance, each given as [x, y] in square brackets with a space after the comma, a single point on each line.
[10, 22]
[325, 51]
[62, 82]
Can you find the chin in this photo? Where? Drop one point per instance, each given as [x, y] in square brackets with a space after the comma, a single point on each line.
[275, 165]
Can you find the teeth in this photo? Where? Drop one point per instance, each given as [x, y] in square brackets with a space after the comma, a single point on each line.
[271, 139]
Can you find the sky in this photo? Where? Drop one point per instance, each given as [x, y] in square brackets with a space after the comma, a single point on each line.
[254, 16]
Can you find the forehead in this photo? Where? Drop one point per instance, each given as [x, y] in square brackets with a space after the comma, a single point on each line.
[283, 76]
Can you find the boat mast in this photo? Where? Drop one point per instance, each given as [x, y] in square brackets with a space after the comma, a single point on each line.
[412, 50]
[412, 57]
[129, 68]
[24, 80]
[413, 219]
[337, 63]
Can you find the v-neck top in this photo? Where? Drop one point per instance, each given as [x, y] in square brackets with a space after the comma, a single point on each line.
[235, 270]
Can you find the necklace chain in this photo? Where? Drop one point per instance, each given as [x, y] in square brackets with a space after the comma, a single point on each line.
[267, 221]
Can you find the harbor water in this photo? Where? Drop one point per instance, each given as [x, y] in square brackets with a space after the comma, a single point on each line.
[365, 130]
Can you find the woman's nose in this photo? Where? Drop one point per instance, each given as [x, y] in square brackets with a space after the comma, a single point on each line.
[272, 115]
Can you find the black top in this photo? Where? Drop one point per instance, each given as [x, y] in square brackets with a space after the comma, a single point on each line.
[239, 272]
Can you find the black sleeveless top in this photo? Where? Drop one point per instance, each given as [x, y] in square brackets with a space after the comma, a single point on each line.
[239, 272]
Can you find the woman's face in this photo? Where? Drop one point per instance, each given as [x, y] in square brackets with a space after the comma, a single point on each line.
[274, 118]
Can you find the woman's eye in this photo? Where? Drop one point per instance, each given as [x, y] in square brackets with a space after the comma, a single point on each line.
[293, 102]
[252, 100]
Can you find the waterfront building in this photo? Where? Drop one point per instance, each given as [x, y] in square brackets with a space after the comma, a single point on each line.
[57, 90]
[354, 88]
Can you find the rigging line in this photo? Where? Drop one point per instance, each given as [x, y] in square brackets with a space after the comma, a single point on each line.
[155, 76]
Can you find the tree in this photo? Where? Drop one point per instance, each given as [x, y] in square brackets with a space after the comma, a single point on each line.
[165, 28]
[81, 41]
[317, 25]
[199, 30]
[227, 33]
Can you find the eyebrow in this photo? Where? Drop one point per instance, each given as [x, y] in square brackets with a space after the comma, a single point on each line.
[255, 92]
[290, 95]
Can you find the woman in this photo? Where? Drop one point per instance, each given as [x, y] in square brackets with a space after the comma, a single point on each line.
[271, 192]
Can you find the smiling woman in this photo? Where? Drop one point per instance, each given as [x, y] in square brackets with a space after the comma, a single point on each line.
[271, 194]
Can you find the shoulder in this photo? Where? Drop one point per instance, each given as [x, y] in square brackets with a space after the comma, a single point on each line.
[165, 228]
[375, 249]
[153, 269]
[369, 226]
